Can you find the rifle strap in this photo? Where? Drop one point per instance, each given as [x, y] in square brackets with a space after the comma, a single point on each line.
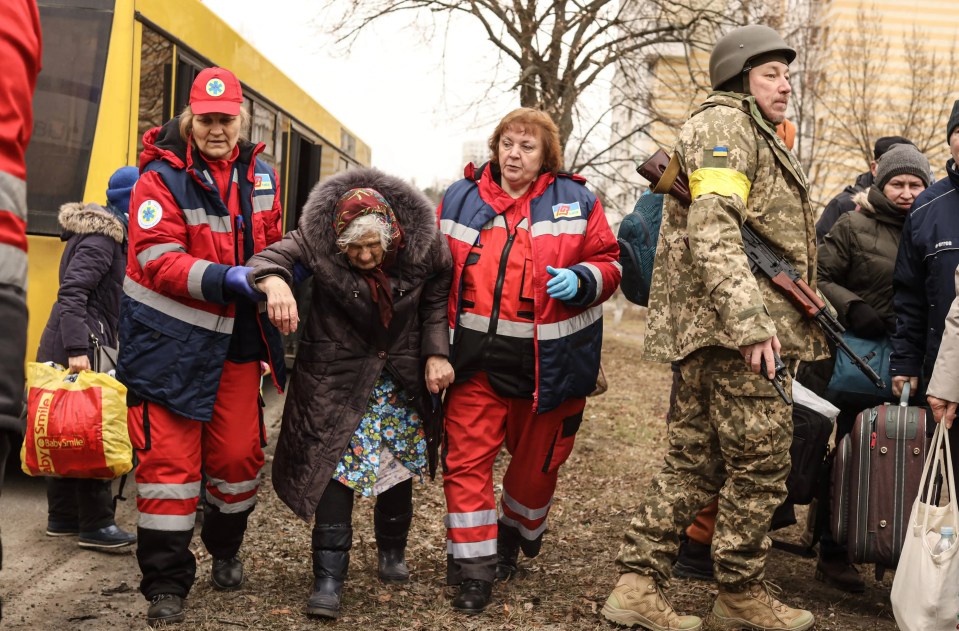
[669, 176]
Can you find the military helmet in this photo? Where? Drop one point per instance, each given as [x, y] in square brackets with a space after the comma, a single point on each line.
[734, 49]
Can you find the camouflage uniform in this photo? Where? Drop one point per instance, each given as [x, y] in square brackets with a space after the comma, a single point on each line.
[729, 433]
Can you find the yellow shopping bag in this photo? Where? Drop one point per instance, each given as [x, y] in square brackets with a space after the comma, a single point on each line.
[76, 424]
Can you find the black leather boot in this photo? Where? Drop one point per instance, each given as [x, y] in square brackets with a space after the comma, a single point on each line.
[165, 609]
[227, 574]
[507, 551]
[331, 558]
[474, 596]
[391, 535]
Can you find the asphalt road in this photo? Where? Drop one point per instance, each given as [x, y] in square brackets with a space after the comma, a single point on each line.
[50, 583]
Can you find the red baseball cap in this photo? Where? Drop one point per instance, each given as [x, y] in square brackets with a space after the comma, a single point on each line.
[216, 90]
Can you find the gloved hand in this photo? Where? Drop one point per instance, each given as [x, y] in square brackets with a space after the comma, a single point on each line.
[301, 273]
[236, 281]
[563, 285]
[864, 321]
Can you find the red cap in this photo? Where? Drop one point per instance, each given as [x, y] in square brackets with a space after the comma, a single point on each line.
[216, 90]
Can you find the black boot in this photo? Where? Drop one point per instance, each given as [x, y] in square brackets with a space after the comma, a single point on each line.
[507, 551]
[473, 597]
[227, 574]
[331, 558]
[391, 535]
[165, 609]
[694, 560]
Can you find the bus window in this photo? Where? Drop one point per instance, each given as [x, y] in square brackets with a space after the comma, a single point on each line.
[156, 66]
[65, 108]
[263, 121]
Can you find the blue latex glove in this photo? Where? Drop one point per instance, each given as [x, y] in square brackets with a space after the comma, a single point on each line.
[564, 284]
[236, 281]
[301, 273]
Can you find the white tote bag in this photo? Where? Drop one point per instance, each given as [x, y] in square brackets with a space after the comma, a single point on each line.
[924, 591]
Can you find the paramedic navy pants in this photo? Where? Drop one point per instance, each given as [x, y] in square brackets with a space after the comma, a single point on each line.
[172, 449]
[477, 423]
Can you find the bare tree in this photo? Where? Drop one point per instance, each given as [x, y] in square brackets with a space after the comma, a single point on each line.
[555, 52]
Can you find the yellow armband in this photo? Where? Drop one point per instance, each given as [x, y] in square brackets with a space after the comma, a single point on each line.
[726, 182]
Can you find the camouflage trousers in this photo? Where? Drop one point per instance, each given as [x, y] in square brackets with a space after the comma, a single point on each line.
[729, 436]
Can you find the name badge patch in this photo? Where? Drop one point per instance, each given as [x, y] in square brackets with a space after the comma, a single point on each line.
[567, 210]
[261, 182]
[149, 214]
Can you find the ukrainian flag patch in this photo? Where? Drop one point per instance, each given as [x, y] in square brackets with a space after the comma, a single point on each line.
[720, 152]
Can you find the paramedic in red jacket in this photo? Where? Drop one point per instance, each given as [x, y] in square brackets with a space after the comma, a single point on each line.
[533, 261]
[191, 339]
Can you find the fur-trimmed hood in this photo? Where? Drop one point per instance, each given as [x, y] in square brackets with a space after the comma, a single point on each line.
[414, 212]
[76, 218]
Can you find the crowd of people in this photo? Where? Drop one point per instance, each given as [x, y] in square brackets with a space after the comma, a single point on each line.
[435, 336]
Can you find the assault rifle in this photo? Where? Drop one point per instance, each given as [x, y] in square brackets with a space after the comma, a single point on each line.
[666, 176]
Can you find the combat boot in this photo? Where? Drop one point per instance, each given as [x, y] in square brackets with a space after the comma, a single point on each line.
[757, 608]
[638, 601]
[841, 574]
[694, 561]
[507, 551]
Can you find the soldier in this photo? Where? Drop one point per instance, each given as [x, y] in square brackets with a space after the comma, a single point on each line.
[729, 432]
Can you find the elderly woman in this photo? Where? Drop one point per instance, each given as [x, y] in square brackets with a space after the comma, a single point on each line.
[855, 267]
[533, 261]
[374, 350]
[191, 341]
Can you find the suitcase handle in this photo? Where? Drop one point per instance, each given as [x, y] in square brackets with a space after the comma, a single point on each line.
[904, 398]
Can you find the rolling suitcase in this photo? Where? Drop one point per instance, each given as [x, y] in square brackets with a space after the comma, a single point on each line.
[875, 480]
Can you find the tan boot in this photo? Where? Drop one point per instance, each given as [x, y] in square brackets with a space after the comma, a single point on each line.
[757, 608]
[637, 601]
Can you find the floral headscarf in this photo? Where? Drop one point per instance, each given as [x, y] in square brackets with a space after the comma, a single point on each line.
[365, 201]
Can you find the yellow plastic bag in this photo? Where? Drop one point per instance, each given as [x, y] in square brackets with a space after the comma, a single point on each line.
[76, 424]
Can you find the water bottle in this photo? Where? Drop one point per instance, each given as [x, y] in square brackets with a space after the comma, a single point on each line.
[947, 537]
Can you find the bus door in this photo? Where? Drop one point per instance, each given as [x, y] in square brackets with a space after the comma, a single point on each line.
[302, 173]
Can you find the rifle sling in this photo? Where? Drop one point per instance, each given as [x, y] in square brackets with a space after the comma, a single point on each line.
[669, 176]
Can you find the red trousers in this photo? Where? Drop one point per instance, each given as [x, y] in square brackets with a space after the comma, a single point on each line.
[173, 451]
[477, 423]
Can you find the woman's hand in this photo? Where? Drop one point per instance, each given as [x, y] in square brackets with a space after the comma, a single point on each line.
[943, 411]
[78, 363]
[280, 303]
[439, 373]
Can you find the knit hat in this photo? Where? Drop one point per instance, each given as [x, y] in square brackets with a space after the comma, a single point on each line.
[885, 143]
[120, 186]
[953, 121]
[902, 159]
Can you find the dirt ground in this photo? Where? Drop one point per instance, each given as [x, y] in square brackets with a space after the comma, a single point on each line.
[49, 584]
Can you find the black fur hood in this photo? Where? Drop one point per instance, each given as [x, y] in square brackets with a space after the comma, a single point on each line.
[415, 213]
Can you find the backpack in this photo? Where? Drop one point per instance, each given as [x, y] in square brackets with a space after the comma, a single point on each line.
[637, 238]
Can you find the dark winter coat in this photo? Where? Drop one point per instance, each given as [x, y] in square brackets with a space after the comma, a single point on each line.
[924, 281]
[91, 281]
[841, 204]
[344, 348]
[857, 259]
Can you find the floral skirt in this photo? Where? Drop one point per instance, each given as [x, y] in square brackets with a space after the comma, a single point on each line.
[389, 445]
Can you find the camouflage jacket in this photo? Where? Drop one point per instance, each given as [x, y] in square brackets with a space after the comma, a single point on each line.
[703, 292]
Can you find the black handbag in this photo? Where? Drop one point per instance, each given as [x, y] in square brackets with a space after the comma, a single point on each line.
[104, 357]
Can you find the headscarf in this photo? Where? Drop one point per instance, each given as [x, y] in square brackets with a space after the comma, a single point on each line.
[358, 202]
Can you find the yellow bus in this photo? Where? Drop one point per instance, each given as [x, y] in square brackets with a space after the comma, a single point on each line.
[113, 69]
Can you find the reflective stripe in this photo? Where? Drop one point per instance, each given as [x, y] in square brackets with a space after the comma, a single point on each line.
[556, 228]
[13, 195]
[262, 202]
[231, 507]
[526, 533]
[597, 276]
[176, 310]
[470, 520]
[154, 252]
[526, 512]
[156, 491]
[565, 328]
[13, 266]
[471, 550]
[235, 488]
[458, 231]
[194, 279]
[198, 217]
[498, 221]
[476, 322]
[725, 182]
[167, 522]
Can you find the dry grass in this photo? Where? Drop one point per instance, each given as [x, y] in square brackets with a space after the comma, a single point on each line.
[618, 449]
